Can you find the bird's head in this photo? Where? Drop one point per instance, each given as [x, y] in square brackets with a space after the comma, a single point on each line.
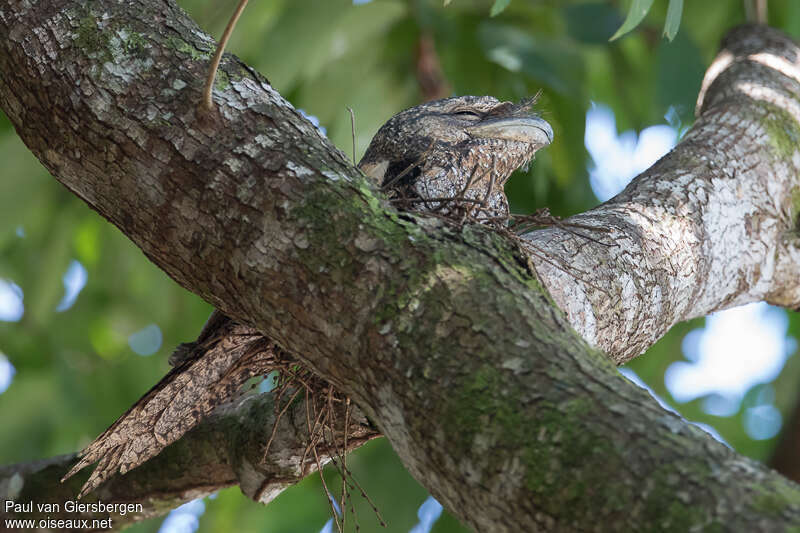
[454, 155]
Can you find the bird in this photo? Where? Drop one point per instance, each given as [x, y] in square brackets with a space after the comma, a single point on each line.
[449, 157]
[453, 156]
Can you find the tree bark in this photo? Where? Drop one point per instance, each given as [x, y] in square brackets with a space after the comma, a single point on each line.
[711, 225]
[443, 335]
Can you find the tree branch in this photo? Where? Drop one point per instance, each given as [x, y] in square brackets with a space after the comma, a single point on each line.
[711, 225]
[225, 449]
[441, 334]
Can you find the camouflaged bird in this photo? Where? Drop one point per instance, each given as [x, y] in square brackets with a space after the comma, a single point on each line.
[450, 157]
[453, 156]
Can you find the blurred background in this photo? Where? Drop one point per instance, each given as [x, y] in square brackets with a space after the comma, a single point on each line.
[86, 322]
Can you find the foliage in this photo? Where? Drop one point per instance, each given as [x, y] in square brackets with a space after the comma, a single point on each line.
[638, 11]
[75, 370]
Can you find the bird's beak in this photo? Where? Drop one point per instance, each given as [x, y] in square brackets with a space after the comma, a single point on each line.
[532, 130]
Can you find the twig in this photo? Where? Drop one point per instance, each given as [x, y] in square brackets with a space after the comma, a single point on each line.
[440, 199]
[461, 193]
[565, 269]
[207, 104]
[756, 11]
[353, 131]
[542, 217]
[408, 169]
[313, 437]
[489, 189]
[344, 455]
[312, 446]
[275, 424]
[357, 485]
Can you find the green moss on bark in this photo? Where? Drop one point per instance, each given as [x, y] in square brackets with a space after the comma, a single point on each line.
[179, 45]
[782, 129]
[92, 40]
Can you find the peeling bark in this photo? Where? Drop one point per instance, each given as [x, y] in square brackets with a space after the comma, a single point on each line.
[441, 334]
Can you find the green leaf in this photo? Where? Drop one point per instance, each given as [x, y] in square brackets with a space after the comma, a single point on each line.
[679, 75]
[498, 7]
[636, 13]
[673, 22]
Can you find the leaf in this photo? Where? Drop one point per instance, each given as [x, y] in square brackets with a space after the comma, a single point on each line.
[679, 74]
[498, 7]
[636, 13]
[447, 2]
[673, 22]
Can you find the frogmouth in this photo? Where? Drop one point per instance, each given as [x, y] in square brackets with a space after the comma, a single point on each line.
[450, 157]
[454, 155]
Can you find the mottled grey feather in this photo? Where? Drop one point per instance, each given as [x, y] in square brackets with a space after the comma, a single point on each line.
[453, 156]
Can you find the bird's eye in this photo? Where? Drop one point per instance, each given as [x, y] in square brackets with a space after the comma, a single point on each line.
[468, 115]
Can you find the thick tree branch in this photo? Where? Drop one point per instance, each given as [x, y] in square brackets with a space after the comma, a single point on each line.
[440, 333]
[711, 225]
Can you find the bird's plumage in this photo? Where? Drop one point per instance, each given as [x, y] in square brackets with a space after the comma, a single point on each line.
[454, 155]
